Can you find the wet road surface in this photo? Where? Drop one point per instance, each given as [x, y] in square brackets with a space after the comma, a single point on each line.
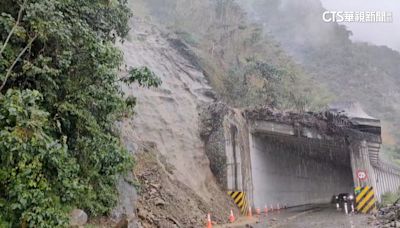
[312, 216]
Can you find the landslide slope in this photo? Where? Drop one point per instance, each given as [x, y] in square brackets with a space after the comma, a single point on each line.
[167, 119]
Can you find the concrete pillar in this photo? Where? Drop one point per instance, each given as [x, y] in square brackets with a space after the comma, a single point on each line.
[398, 181]
[233, 158]
[359, 156]
[250, 188]
[382, 180]
[387, 187]
[393, 182]
[378, 179]
[386, 182]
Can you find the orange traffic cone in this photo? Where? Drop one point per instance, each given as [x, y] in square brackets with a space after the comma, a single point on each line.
[266, 209]
[250, 213]
[272, 208]
[278, 207]
[231, 217]
[258, 211]
[209, 223]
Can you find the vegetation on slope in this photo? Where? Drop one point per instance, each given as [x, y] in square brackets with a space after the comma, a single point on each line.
[243, 65]
[390, 198]
[281, 53]
[351, 70]
[59, 99]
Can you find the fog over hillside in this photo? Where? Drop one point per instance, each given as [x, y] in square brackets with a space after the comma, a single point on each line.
[349, 59]
[377, 33]
[253, 49]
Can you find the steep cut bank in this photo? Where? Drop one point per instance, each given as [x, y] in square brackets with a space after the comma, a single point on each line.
[167, 119]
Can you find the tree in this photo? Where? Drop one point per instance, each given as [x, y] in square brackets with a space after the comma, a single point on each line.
[244, 64]
[59, 99]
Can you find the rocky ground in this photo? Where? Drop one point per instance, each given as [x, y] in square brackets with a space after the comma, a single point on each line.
[388, 216]
[166, 202]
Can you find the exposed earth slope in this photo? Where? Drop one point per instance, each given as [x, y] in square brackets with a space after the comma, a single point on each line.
[167, 119]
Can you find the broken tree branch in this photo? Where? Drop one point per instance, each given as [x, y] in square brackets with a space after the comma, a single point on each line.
[15, 62]
[13, 28]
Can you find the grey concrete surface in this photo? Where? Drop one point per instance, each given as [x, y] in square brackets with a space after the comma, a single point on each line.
[293, 173]
[313, 216]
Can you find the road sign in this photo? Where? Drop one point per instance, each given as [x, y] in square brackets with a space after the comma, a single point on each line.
[361, 175]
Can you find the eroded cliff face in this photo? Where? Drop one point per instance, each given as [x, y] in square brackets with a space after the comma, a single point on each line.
[168, 118]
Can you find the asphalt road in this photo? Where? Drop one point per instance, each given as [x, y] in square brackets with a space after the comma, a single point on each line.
[312, 216]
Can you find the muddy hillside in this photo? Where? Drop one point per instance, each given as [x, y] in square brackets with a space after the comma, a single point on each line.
[176, 177]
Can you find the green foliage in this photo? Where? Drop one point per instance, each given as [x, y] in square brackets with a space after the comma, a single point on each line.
[245, 66]
[59, 99]
[143, 76]
[353, 71]
[187, 37]
[390, 197]
[36, 171]
[391, 154]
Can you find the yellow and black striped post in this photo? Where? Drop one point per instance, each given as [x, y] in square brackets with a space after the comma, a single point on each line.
[365, 199]
[240, 200]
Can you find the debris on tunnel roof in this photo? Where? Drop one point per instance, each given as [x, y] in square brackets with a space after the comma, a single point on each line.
[350, 109]
[336, 120]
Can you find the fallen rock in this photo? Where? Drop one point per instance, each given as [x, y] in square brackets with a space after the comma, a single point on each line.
[77, 217]
[127, 197]
[156, 186]
[159, 202]
[388, 216]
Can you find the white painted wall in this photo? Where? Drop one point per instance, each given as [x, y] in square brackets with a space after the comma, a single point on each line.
[295, 174]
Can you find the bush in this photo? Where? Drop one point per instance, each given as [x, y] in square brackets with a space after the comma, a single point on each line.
[390, 197]
[59, 99]
[36, 172]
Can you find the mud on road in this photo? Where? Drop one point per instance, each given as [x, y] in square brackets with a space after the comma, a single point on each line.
[328, 217]
[311, 216]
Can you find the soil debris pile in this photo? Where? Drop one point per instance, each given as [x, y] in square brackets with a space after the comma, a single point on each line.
[388, 216]
[167, 202]
[180, 190]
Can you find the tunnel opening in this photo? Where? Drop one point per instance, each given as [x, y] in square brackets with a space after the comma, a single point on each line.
[292, 170]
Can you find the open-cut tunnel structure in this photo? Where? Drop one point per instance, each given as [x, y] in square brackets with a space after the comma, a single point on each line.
[295, 171]
[272, 157]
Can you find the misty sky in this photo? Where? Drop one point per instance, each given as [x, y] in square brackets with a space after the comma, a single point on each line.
[377, 33]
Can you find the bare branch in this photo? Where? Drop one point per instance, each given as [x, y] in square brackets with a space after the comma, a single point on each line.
[13, 28]
[15, 62]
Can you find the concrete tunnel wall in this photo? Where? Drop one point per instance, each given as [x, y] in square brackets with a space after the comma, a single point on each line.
[387, 180]
[293, 159]
[293, 172]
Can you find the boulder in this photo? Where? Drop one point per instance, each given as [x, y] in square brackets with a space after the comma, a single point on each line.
[77, 217]
[127, 222]
[127, 197]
